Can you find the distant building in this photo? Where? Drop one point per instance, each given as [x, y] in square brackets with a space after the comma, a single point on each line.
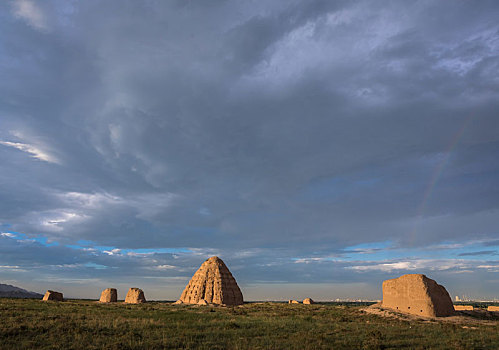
[457, 298]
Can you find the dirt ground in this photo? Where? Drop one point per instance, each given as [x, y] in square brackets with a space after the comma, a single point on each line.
[466, 318]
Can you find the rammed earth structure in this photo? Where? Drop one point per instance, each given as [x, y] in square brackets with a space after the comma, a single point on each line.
[214, 284]
[418, 295]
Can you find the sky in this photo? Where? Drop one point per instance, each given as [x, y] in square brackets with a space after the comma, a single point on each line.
[317, 147]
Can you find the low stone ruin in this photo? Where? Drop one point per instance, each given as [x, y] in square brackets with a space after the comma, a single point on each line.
[109, 295]
[214, 284]
[293, 301]
[54, 296]
[463, 307]
[493, 308]
[418, 295]
[135, 296]
[308, 301]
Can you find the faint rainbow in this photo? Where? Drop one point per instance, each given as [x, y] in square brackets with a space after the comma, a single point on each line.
[437, 173]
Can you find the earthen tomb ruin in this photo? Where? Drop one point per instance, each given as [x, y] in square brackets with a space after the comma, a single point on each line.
[54, 296]
[109, 295]
[308, 301]
[463, 307]
[418, 295]
[214, 284]
[135, 296]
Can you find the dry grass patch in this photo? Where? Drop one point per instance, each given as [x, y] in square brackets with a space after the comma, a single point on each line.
[31, 324]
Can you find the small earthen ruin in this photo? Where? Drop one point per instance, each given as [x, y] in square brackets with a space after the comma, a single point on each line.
[308, 301]
[214, 284]
[493, 308]
[417, 294]
[463, 307]
[54, 296]
[135, 296]
[109, 295]
[293, 301]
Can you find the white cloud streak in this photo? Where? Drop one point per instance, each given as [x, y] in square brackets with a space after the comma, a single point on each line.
[34, 151]
[411, 265]
[7, 234]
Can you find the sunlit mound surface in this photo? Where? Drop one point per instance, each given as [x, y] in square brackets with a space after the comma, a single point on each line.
[212, 284]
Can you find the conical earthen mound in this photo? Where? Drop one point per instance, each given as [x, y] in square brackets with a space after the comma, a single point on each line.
[214, 283]
[308, 301]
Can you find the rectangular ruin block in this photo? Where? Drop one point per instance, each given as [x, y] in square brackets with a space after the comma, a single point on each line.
[54, 296]
[418, 295]
[463, 307]
[109, 295]
[135, 296]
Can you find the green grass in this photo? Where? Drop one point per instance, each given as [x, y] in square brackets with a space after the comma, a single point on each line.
[76, 324]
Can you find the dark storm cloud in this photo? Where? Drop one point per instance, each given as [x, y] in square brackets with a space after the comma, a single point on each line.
[242, 125]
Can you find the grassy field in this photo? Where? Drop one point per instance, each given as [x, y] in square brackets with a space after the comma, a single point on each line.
[76, 324]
